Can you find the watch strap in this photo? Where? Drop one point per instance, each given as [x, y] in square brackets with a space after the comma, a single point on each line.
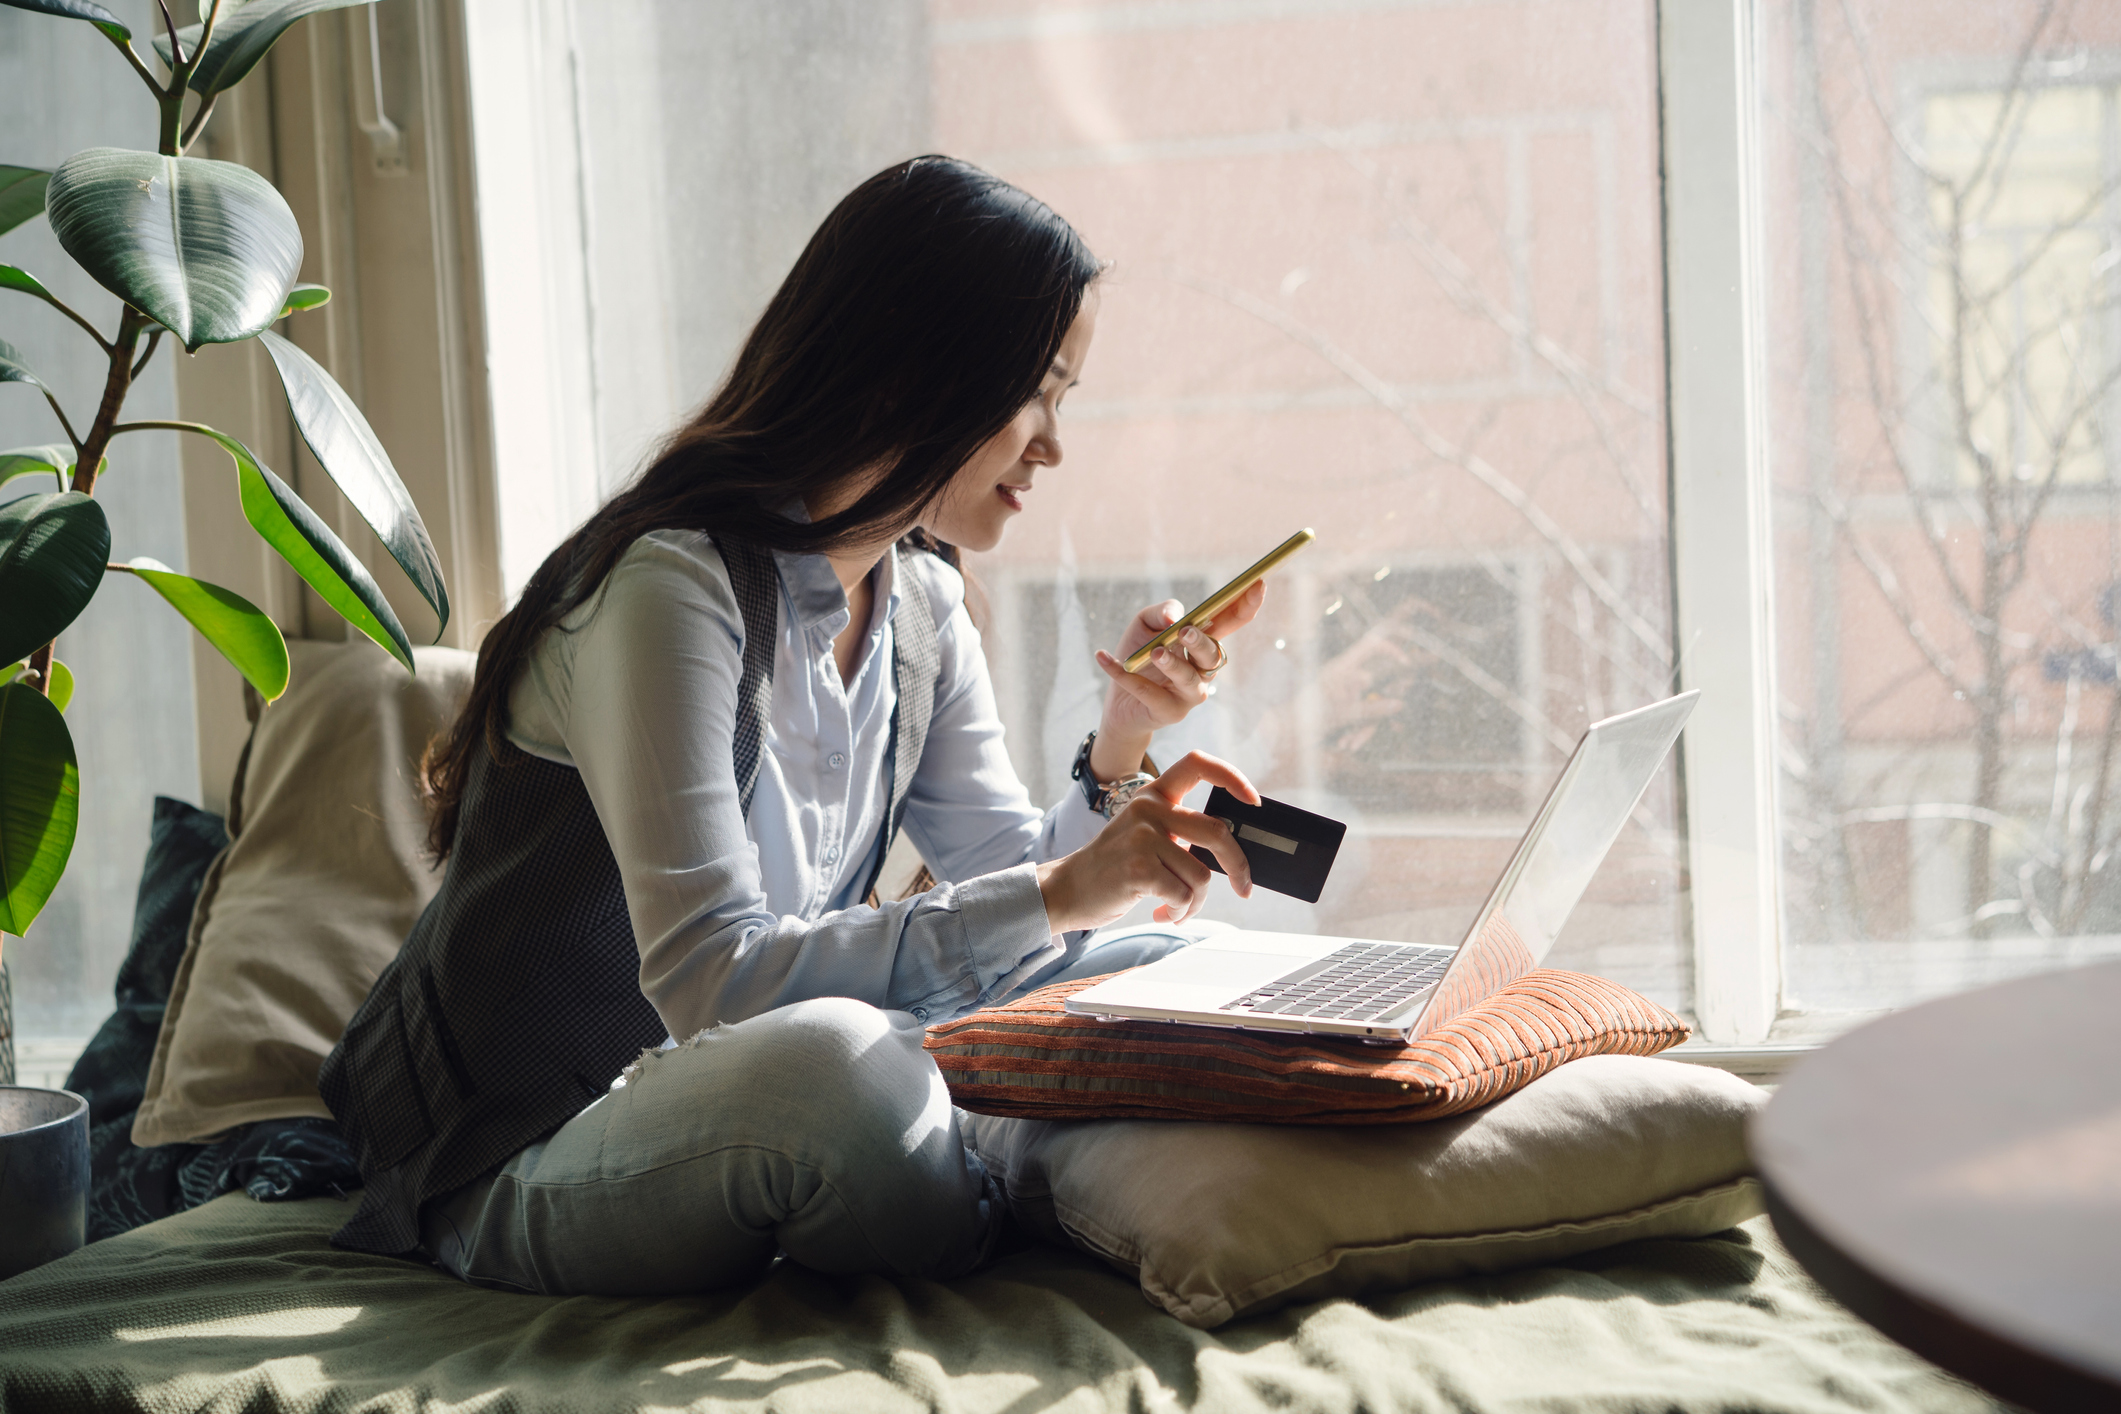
[1099, 796]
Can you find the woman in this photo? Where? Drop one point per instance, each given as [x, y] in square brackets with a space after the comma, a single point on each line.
[685, 753]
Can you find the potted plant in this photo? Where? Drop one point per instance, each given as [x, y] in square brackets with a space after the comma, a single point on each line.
[197, 252]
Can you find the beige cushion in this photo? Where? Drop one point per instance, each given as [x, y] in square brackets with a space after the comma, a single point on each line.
[314, 896]
[1223, 1220]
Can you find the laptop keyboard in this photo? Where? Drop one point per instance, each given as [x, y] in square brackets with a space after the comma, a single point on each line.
[1361, 982]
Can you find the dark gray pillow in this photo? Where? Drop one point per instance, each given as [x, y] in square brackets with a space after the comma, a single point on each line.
[112, 1073]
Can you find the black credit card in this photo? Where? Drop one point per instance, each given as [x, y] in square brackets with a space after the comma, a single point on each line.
[1291, 851]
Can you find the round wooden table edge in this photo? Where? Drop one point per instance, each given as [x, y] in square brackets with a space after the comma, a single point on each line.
[2037, 1379]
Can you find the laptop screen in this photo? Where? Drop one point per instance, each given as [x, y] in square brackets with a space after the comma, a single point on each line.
[1568, 840]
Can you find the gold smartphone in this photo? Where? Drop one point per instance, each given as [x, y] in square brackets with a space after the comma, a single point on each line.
[1221, 599]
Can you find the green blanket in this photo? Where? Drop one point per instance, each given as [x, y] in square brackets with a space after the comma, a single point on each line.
[245, 1306]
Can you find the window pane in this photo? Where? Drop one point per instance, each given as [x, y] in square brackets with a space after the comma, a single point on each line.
[1946, 212]
[1389, 270]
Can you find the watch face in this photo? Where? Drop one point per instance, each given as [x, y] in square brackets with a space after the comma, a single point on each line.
[1122, 792]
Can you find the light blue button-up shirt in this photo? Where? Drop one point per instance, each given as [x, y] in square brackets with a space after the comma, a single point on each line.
[736, 915]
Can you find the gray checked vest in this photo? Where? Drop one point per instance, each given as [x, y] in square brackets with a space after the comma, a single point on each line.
[517, 998]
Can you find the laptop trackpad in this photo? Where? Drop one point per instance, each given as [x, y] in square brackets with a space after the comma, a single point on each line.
[1199, 978]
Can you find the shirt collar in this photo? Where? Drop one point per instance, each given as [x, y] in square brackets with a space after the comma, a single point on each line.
[815, 598]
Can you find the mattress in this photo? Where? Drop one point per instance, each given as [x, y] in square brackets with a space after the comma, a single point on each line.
[239, 1305]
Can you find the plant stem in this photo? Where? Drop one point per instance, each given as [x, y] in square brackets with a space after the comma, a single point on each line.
[90, 457]
[169, 27]
[172, 100]
[161, 425]
[175, 135]
[172, 120]
[154, 341]
[132, 57]
[61, 305]
[198, 51]
[60, 413]
[198, 121]
[40, 670]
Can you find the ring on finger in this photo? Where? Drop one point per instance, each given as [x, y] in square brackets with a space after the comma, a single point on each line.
[1222, 659]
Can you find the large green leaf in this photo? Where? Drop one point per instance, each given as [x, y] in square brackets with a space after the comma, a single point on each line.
[347, 448]
[320, 557]
[40, 803]
[21, 194]
[241, 36]
[14, 277]
[208, 249]
[13, 369]
[52, 552]
[56, 460]
[62, 688]
[96, 15]
[238, 628]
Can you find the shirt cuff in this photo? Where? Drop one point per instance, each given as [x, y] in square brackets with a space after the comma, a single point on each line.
[1074, 825]
[1007, 933]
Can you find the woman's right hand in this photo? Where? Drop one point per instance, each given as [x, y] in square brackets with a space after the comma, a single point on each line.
[1142, 854]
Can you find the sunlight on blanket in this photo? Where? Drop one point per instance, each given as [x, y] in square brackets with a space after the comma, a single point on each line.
[314, 1320]
[737, 1368]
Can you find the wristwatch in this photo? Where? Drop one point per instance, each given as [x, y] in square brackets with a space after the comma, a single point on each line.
[1108, 800]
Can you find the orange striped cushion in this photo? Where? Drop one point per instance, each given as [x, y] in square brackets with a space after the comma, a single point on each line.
[1032, 1059]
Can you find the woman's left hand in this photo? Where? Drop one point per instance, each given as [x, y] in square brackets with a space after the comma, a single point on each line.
[1172, 683]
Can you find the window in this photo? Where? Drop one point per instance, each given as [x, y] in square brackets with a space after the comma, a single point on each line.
[1406, 273]
[1945, 208]
[1385, 269]
[1390, 272]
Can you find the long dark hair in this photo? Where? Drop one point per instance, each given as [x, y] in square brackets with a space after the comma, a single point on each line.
[919, 320]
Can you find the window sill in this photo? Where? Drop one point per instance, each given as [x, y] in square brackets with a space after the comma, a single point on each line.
[1763, 1065]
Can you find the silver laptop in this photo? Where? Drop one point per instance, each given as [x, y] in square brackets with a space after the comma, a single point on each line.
[1387, 992]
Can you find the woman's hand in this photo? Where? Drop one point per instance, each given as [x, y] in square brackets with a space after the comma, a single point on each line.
[1172, 683]
[1142, 854]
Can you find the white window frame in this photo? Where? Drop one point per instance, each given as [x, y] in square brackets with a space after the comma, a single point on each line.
[1722, 566]
[1711, 111]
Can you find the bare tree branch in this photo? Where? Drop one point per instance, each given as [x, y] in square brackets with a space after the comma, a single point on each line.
[1488, 683]
[1875, 91]
[2004, 138]
[1888, 585]
[1392, 401]
[1889, 417]
[2092, 206]
[1457, 281]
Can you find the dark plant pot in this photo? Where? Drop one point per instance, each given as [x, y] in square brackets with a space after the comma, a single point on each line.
[43, 1176]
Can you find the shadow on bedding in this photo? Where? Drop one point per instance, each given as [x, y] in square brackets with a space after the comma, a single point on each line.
[247, 1306]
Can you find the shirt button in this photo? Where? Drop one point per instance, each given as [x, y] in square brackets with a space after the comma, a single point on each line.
[832, 855]
[920, 1013]
[836, 760]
